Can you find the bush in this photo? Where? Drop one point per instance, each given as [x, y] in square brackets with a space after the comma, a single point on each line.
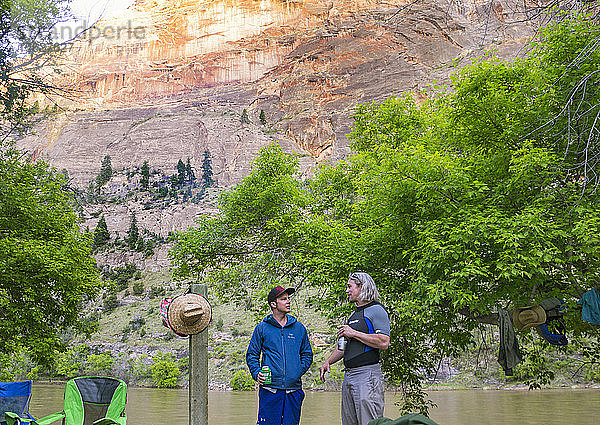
[138, 287]
[69, 364]
[120, 275]
[534, 370]
[237, 332]
[125, 333]
[157, 291]
[16, 367]
[141, 368]
[242, 381]
[99, 364]
[165, 370]
[110, 302]
[137, 323]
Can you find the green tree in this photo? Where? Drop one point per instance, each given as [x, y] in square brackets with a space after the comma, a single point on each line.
[105, 172]
[189, 171]
[17, 366]
[207, 173]
[145, 180]
[138, 287]
[180, 172]
[99, 364]
[174, 183]
[455, 206]
[26, 45]
[140, 245]
[244, 118]
[69, 363]
[101, 233]
[133, 233]
[45, 259]
[262, 117]
[110, 302]
[242, 381]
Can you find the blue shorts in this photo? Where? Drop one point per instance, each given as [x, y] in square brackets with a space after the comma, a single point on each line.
[279, 408]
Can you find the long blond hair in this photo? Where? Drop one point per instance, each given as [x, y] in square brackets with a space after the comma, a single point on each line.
[368, 290]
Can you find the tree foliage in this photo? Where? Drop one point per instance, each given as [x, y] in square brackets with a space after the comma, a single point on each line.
[101, 233]
[180, 172]
[46, 270]
[105, 172]
[242, 381]
[473, 200]
[262, 117]
[244, 117]
[207, 173]
[165, 370]
[133, 233]
[189, 171]
[26, 45]
[145, 171]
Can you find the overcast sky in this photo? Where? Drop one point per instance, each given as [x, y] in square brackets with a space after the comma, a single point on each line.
[92, 9]
[85, 14]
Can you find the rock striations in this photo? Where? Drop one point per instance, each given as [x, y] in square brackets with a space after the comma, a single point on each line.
[305, 63]
[170, 79]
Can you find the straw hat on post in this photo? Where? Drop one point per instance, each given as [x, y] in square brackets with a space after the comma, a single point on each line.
[189, 314]
[528, 317]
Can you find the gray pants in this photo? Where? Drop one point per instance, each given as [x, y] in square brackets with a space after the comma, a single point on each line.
[362, 395]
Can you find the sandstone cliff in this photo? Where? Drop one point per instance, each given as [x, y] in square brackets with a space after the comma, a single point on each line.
[170, 79]
[180, 65]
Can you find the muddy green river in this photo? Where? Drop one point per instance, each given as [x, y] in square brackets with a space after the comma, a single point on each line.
[149, 406]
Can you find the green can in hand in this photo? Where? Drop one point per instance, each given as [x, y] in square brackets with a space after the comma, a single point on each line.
[267, 374]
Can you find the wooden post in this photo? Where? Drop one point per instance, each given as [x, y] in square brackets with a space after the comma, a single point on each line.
[198, 365]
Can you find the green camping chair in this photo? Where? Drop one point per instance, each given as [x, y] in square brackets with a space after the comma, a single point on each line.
[89, 400]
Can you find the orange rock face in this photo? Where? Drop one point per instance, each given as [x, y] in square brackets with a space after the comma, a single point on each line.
[163, 47]
[303, 64]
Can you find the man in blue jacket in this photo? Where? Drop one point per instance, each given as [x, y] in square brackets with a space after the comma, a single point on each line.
[283, 342]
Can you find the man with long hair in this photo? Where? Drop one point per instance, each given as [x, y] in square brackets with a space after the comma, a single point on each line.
[367, 331]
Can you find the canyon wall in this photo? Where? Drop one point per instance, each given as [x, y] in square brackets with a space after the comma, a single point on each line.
[170, 79]
[181, 65]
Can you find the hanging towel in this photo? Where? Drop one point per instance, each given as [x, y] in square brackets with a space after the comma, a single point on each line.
[509, 354]
[590, 306]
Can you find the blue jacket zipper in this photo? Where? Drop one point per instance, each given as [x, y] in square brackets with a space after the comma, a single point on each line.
[284, 358]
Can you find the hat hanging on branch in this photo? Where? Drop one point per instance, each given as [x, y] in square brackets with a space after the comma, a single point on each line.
[528, 317]
[187, 314]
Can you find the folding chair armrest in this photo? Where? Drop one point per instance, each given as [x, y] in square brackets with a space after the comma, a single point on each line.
[106, 421]
[13, 419]
[49, 419]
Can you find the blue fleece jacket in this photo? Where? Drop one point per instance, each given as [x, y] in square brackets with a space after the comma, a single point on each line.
[286, 350]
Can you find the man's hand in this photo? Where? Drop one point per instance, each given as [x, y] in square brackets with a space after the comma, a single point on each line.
[325, 368]
[260, 378]
[379, 341]
[346, 331]
[335, 356]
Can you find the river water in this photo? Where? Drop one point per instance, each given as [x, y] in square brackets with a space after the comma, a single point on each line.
[151, 406]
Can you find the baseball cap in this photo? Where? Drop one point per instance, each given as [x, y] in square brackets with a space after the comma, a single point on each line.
[277, 291]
